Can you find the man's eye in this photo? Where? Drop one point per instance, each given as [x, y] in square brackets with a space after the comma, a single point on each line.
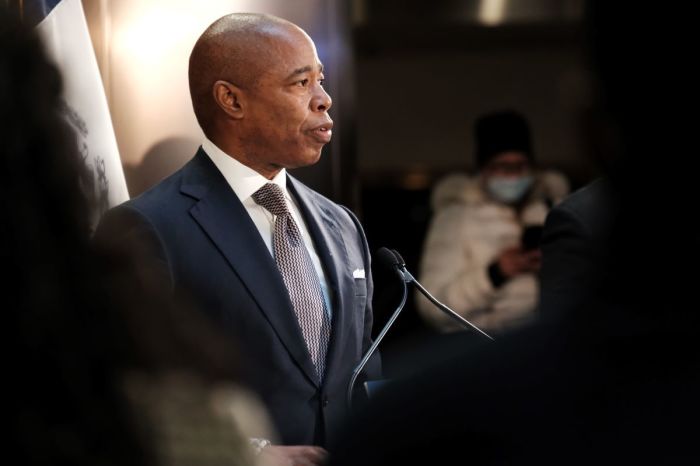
[303, 82]
[322, 82]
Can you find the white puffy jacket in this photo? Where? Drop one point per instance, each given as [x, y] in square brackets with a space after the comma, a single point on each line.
[468, 231]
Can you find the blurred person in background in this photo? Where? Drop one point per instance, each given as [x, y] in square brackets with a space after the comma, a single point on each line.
[105, 370]
[481, 255]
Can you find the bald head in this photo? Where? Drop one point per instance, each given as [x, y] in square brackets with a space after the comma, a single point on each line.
[257, 89]
[236, 48]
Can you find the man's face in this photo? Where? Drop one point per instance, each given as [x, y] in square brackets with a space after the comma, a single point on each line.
[286, 121]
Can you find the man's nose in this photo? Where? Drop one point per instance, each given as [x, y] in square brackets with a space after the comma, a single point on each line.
[321, 101]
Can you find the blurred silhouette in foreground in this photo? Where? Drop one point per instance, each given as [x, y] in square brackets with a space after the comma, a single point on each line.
[613, 377]
[481, 256]
[105, 371]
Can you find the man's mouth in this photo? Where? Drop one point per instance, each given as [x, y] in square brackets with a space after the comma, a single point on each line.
[323, 133]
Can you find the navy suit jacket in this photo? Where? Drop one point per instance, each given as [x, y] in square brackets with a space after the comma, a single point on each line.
[206, 244]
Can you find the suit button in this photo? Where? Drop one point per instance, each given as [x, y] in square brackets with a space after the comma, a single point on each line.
[324, 401]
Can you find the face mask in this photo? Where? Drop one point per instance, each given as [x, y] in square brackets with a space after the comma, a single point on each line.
[507, 189]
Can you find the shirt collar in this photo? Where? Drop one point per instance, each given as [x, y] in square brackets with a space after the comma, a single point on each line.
[243, 180]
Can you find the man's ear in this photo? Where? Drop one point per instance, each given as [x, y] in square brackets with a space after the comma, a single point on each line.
[229, 98]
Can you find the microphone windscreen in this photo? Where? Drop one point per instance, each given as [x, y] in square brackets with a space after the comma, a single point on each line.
[398, 257]
[387, 257]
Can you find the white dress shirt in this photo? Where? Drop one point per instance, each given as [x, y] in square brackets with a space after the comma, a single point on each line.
[245, 182]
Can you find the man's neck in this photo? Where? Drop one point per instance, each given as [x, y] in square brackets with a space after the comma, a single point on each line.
[240, 154]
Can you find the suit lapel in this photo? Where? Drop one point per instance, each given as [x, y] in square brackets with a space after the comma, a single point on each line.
[329, 246]
[224, 219]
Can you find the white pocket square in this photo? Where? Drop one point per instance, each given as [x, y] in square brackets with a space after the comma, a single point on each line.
[358, 273]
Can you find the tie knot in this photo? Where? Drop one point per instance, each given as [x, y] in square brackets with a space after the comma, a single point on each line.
[271, 197]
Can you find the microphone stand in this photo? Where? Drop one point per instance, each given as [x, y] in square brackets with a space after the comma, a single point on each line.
[379, 338]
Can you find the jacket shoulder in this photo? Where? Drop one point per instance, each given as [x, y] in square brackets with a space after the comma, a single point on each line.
[457, 188]
[552, 185]
[592, 204]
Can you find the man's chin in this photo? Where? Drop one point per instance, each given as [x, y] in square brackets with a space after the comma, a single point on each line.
[307, 160]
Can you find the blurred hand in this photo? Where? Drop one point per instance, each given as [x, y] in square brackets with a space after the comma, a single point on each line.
[298, 455]
[515, 261]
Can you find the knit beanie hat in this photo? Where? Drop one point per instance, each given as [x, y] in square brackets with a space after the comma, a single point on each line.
[499, 132]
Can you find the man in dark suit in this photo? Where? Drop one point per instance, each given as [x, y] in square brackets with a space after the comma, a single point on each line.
[280, 267]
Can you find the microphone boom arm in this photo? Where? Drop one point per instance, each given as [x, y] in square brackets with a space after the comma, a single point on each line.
[407, 277]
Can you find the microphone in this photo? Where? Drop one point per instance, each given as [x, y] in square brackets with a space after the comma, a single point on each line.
[406, 276]
[390, 259]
